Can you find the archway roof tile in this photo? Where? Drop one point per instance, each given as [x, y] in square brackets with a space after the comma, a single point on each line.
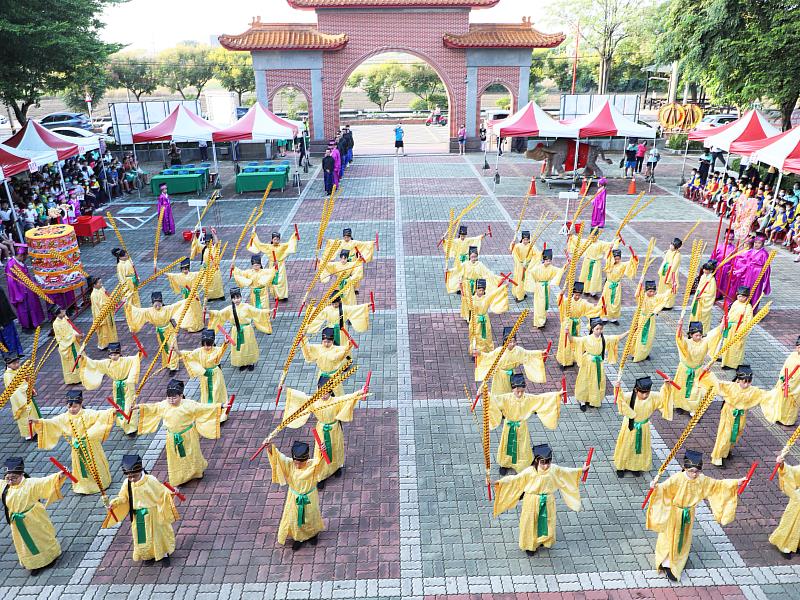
[283, 36]
[503, 35]
[314, 4]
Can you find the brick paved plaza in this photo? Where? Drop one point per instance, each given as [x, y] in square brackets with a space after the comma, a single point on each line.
[410, 517]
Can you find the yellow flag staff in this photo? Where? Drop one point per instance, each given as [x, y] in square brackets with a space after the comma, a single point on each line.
[113, 223]
[158, 239]
[110, 307]
[255, 215]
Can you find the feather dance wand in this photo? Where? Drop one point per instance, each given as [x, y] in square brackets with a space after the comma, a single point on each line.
[698, 247]
[250, 224]
[160, 272]
[20, 276]
[761, 275]
[159, 224]
[122, 245]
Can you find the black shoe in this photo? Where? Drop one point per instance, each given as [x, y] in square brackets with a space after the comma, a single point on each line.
[356, 292]
[251, 367]
[668, 308]
[165, 562]
[173, 372]
[283, 299]
[313, 541]
[530, 552]
[615, 322]
[620, 473]
[726, 368]
[132, 434]
[338, 472]
[321, 485]
[787, 555]
[296, 545]
[458, 292]
[149, 562]
[669, 574]
[242, 368]
[584, 406]
[503, 471]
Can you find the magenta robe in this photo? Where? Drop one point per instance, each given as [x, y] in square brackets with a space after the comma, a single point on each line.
[599, 209]
[723, 273]
[337, 161]
[26, 304]
[168, 223]
[746, 270]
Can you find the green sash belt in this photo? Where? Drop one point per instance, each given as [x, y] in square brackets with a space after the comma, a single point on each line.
[576, 323]
[637, 425]
[511, 441]
[598, 362]
[344, 283]
[686, 520]
[239, 337]
[737, 417]
[301, 500]
[726, 330]
[613, 285]
[257, 296]
[546, 286]
[509, 372]
[664, 269]
[119, 393]
[209, 373]
[327, 374]
[646, 329]
[36, 407]
[541, 521]
[482, 321]
[19, 520]
[471, 286]
[326, 434]
[185, 293]
[74, 352]
[77, 443]
[690, 372]
[463, 257]
[277, 277]
[591, 270]
[694, 306]
[141, 529]
[177, 439]
[337, 335]
[134, 279]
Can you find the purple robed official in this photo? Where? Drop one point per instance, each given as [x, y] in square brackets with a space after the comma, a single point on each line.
[25, 302]
[599, 206]
[723, 273]
[746, 269]
[337, 161]
[168, 223]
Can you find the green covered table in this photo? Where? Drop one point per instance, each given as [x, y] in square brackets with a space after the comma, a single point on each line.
[179, 184]
[258, 182]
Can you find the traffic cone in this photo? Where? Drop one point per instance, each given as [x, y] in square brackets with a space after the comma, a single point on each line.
[632, 186]
[584, 186]
[532, 188]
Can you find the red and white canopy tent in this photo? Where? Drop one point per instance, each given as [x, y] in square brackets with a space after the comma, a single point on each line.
[781, 151]
[12, 162]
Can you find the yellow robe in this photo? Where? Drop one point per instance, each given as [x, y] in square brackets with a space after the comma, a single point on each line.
[514, 451]
[107, 331]
[366, 249]
[646, 335]
[668, 275]
[124, 376]
[126, 274]
[590, 386]
[181, 284]
[780, 408]
[692, 356]
[67, 338]
[471, 272]
[276, 253]
[261, 284]
[159, 319]
[703, 301]
[592, 267]
[524, 254]
[718, 336]
[154, 513]
[459, 250]
[356, 315]
[328, 360]
[532, 362]
[185, 424]
[21, 411]
[92, 426]
[612, 291]
[537, 525]
[538, 280]
[203, 364]
[330, 415]
[626, 457]
[246, 351]
[578, 309]
[480, 331]
[28, 513]
[786, 536]
[302, 484]
[353, 274]
[672, 508]
[208, 252]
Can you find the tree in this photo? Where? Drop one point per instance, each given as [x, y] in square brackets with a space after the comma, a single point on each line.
[135, 74]
[186, 66]
[558, 67]
[423, 81]
[94, 82]
[47, 47]
[234, 71]
[503, 103]
[379, 83]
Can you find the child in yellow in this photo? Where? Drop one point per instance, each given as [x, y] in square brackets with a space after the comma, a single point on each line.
[524, 254]
[84, 430]
[536, 486]
[671, 512]
[161, 318]
[480, 329]
[578, 308]
[123, 371]
[358, 249]
[538, 280]
[514, 356]
[209, 250]
[353, 274]
[245, 319]
[615, 270]
[591, 353]
[785, 400]
[328, 357]
[181, 283]
[739, 315]
[705, 295]
[151, 508]
[459, 250]
[203, 363]
[32, 531]
[354, 317]
[21, 410]
[260, 281]
[276, 252]
[633, 451]
[68, 343]
[107, 331]
[786, 537]
[126, 275]
[652, 304]
[668, 272]
[591, 274]
[692, 352]
[513, 410]
[185, 421]
[469, 272]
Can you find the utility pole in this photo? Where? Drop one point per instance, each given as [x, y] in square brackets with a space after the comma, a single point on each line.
[575, 61]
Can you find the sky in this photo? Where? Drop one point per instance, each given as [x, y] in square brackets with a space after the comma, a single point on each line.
[152, 25]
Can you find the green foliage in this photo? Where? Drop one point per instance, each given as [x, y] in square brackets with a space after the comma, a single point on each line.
[186, 66]
[424, 82]
[504, 103]
[558, 67]
[380, 83]
[418, 105]
[289, 95]
[93, 81]
[135, 74]
[677, 141]
[234, 71]
[47, 46]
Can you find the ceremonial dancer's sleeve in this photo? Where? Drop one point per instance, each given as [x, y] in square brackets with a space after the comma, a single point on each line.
[150, 417]
[256, 246]
[722, 498]
[507, 491]
[789, 479]
[241, 277]
[92, 372]
[367, 250]
[495, 409]
[119, 508]
[102, 424]
[568, 482]
[136, 316]
[662, 401]
[194, 368]
[206, 419]
[294, 400]
[49, 432]
[547, 407]
[348, 406]
[47, 488]
[498, 300]
[631, 266]
[260, 318]
[484, 363]
[164, 502]
[310, 351]
[173, 282]
[612, 348]
[280, 465]
[196, 247]
[658, 511]
[320, 321]
[533, 364]
[358, 316]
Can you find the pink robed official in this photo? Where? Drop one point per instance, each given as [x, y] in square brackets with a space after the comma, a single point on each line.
[26, 304]
[168, 223]
[599, 209]
[337, 161]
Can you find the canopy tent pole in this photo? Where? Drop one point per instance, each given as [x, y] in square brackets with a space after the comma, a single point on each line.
[163, 155]
[778, 185]
[61, 175]
[216, 163]
[13, 212]
[685, 155]
[136, 161]
[575, 162]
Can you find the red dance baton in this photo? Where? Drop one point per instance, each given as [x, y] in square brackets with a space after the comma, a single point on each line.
[775, 470]
[278, 397]
[564, 388]
[667, 379]
[347, 335]
[372, 297]
[490, 231]
[275, 310]
[302, 306]
[296, 232]
[547, 352]
[229, 405]
[257, 452]
[63, 469]
[587, 463]
[377, 247]
[321, 446]
[746, 481]
[366, 383]
[180, 496]
[647, 498]
[139, 345]
[226, 334]
[118, 408]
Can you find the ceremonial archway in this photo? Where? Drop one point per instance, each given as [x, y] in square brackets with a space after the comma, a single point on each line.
[277, 104]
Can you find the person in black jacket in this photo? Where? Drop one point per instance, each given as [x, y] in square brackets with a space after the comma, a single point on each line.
[328, 165]
[341, 143]
[348, 136]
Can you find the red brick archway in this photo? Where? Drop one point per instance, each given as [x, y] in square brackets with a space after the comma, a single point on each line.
[275, 85]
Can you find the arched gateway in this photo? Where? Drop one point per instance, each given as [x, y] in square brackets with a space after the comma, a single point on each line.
[318, 58]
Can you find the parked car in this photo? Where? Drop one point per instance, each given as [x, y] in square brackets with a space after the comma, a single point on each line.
[103, 125]
[3, 120]
[716, 121]
[74, 132]
[66, 119]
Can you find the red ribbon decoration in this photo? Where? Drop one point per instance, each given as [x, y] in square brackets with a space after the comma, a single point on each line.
[587, 463]
[229, 405]
[667, 379]
[372, 298]
[139, 345]
[64, 469]
[275, 310]
[180, 496]
[564, 388]
[746, 481]
[321, 446]
[117, 407]
[226, 334]
[296, 232]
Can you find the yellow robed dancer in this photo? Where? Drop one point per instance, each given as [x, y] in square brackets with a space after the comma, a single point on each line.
[480, 331]
[276, 252]
[668, 272]
[538, 280]
[513, 410]
[524, 254]
[469, 271]
[578, 309]
[705, 295]
[302, 518]
[208, 250]
[123, 371]
[126, 275]
[459, 249]
[337, 316]
[692, 352]
[615, 270]
[261, 281]
[591, 352]
[591, 273]
[328, 357]
[739, 396]
[107, 331]
[150, 506]
[353, 274]
[181, 283]
[32, 531]
[358, 249]
[532, 361]
[739, 315]
[671, 512]
[786, 537]
[785, 399]
[633, 451]
[330, 411]
[652, 304]
[203, 363]
[185, 421]
[161, 318]
[68, 340]
[245, 319]
[21, 410]
[536, 486]
[80, 426]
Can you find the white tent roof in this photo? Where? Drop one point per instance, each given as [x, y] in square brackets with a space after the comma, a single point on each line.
[181, 125]
[258, 124]
[753, 126]
[531, 120]
[607, 121]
